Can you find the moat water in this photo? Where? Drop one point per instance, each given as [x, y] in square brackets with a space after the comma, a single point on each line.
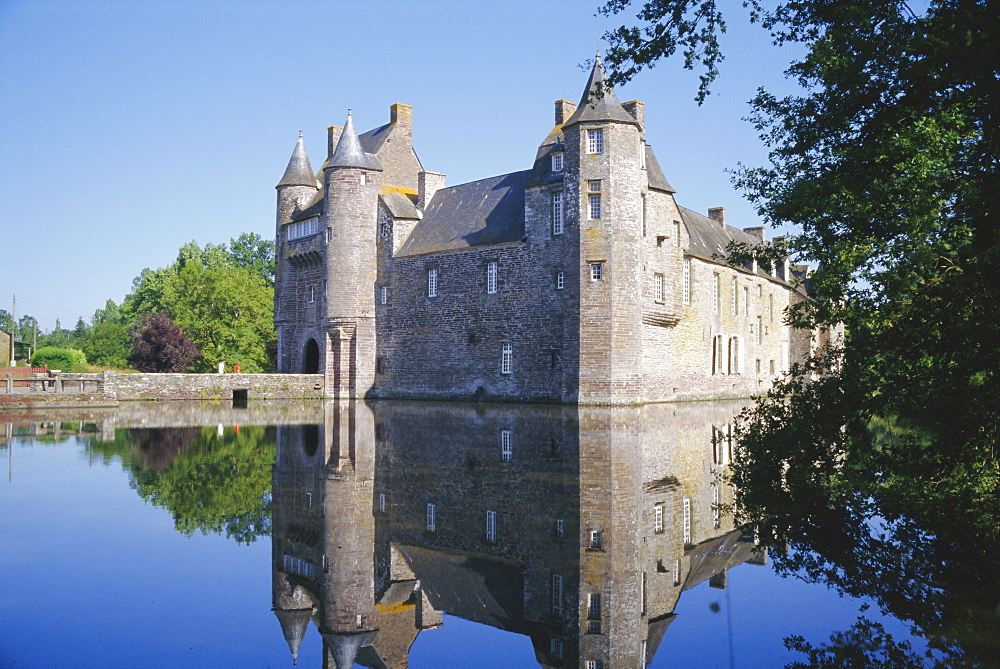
[442, 535]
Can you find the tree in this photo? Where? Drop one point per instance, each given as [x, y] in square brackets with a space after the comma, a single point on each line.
[225, 307]
[888, 163]
[254, 253]
[109, 344]
[160, 346]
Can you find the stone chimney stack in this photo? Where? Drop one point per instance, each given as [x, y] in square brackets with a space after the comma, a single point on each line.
[757, 231]
[332, 138]
[564, 109]
[429, 183]
[718, 214]
[637, 110]
[401, 116]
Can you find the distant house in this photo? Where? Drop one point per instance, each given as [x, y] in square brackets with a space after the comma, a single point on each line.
[579, 280]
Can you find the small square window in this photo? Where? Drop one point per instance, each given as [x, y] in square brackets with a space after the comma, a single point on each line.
[596, 271]
[594, 186]
[596, 539]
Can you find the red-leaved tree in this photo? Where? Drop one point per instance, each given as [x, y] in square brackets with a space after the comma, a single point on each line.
[160, 346]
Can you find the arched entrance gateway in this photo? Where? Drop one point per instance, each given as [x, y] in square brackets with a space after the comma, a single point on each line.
[310, 361]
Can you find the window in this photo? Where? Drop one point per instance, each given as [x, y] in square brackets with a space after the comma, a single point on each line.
[381, 501]
[556, 648]
[557, 594]
[595, 141]
[734, 355]
[594, 606]
[772, 367]
[596, 539]
[686, 281]
[560, 280]
[760, 331]
[506, 450]
[384, 295]
[491, 277]
[594, 186]
[557, 213]
[746, 301]
[658, 285]
[687, 520]
[716, 298]
[677, 572]
[658, 519]
[560, 528]
[312, 293]
[595, 664]
[506, 358]
[325, 291]
[363, 179]
[302, 229]
[491, 526]
[431, 520]
[770, 308]
[677, 234]
[596, 271]
[594, 201]
[735, 307]
[557, 162]
[432, 282]
[716, 501]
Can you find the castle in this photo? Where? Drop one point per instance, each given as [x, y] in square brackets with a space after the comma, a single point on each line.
[578, 281]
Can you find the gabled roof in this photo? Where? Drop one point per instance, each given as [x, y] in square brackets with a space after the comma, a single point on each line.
[599, 102]
[349, 152]
[299, 172]
[480, 213]
[373, 140]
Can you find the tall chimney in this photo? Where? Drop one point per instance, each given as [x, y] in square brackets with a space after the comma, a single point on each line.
[718, 214]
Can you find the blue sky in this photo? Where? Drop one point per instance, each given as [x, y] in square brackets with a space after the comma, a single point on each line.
[130, 127]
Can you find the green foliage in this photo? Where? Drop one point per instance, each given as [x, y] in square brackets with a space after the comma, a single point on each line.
[210, 484]
[888, 162]
[222, 299]
[65, 359]
[109, 344]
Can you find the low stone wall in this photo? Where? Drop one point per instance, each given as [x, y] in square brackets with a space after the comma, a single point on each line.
[212, 386]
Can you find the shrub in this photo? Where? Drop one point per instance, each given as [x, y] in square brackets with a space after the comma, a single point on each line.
[58, 358]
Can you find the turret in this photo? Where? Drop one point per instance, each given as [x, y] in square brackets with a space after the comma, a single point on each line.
[352, 180]
[603, 191]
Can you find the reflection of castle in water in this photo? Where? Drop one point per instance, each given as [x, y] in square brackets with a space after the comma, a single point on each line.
[578, 527]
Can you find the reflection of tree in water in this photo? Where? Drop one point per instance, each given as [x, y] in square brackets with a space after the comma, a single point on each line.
[209, 483]
[156, 448]
[881, 511]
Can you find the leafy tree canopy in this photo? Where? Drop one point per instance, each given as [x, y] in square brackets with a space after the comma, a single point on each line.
[160, 346]
[886, 161]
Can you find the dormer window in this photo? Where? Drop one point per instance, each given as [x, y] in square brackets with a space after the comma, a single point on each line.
[557, 162]
[305, 228]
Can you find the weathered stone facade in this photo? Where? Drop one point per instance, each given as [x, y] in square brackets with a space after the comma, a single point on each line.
[578, 527]
[579, 280]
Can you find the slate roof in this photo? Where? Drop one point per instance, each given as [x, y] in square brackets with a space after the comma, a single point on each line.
[299, 172]
[349, 152]
[399, 205]
[654, 175]
[373, 140]
[708, 238]
[599, 103]
[313, 208]
[712, 557]
[480, 213]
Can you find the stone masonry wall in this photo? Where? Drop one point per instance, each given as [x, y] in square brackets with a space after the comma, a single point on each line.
[212, 386]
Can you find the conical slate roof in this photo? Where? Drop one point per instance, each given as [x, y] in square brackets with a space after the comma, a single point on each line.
[349, 152]
[599, 102]
[294, 623]
[344, 646]
[299, 172]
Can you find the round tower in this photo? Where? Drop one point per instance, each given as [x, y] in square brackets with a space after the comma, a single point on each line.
[351, 179]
